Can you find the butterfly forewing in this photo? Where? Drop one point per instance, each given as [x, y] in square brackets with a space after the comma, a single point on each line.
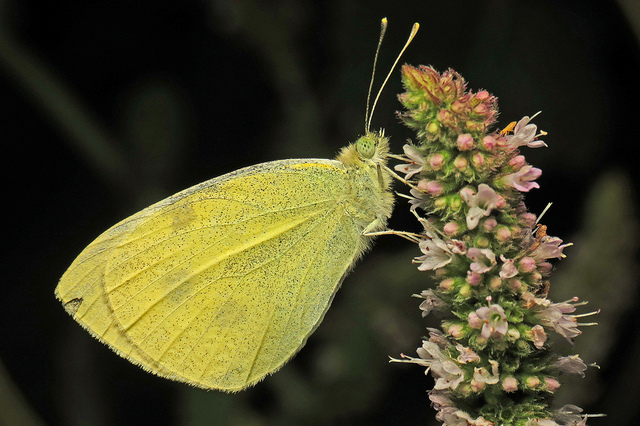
[222, 283]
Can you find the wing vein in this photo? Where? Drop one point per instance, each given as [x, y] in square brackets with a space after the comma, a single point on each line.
[147, 248]
[212, 320]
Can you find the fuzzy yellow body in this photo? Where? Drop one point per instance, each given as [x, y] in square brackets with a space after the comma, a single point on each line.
[222, 283]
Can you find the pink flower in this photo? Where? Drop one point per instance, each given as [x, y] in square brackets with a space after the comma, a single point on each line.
[522, 180]
[447, 372]
[531, 300]
[483, 259]
[480, 204]
[474, 321]
[416, 199]
[571, 364]
[439, 400]
[436, 254]
[549, 247]
[416, 162]
[466, 355]
[570, 415]
[525, 134]
[495, 321]
[457, 246]
[508, 270]
[431, 302]
[482, 375]
[538, 335]
[556, 316]
[436, 336]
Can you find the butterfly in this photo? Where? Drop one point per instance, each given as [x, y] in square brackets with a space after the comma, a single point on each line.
[221, 284]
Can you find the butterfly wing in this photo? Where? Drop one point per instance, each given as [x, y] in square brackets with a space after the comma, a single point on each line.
[222, 283]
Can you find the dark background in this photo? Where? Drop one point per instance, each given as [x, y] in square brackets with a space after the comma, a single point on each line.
[108, 106]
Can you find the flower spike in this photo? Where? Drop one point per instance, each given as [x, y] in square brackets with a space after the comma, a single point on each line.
[493, 362]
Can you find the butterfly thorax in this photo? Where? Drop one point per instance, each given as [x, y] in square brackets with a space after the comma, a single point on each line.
[370, 199]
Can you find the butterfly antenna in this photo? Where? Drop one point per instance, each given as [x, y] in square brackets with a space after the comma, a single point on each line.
[383, 30]
[414, 31]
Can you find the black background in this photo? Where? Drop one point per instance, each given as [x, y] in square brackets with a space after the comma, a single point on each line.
[184, 91]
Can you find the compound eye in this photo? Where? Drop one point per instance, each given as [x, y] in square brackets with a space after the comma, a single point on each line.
[366, 147]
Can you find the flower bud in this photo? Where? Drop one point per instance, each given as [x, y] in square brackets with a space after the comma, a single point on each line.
[517, 162]
[461, 163]
[457, 107]
[455, 203]
[473, 278]
[451, 228]
[467, 192]
[510, 384]
[552, 384]
[464, 389]
[532, 382]
[513, 334]
[528, 220]
[456, 331]
[515, 284]
[503, 234]
[477, 160]
[440, 202]
[477, 386]
[545, 267]
[475, 125]
[465, 142]
[444, 116]
[482, 242]
[489, 142]
[489, 224]
[474, 321]
[436, 161]
[527, 264]
[465, 290]
[433, 128]
[446, 284]
[495, 283]
[434, 187]
[482, 95]
[480, 109]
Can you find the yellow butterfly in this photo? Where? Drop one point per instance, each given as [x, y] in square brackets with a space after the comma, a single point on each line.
[221, 284]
